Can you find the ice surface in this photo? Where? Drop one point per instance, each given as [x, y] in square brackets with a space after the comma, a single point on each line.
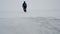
[29, 25]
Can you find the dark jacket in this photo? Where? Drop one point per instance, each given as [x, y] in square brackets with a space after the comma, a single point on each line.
[24, 5]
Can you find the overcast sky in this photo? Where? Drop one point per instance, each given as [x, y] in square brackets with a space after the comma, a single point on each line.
[36, 8]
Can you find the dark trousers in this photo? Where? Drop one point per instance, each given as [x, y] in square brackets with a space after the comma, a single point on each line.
[24, 9]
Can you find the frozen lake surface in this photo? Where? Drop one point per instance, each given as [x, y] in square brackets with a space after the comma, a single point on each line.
[29, 25]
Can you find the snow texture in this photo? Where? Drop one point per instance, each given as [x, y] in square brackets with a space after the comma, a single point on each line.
[29, 25]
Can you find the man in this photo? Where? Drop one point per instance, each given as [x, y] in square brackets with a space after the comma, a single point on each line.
[24, 6]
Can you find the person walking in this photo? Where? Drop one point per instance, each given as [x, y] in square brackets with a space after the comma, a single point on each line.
[24, 5]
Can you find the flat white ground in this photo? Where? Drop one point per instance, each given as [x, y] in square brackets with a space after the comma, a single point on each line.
[29, 25]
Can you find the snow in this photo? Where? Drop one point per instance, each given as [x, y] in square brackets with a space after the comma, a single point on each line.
[39, 18]
[29, 25]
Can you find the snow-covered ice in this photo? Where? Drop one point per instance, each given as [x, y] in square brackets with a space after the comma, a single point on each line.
[29, 25]
[39, 18]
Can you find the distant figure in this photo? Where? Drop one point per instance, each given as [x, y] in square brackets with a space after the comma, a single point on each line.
[24, 6]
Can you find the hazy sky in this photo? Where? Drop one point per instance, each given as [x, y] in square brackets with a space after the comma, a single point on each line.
[35, 8]
[32, 4]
